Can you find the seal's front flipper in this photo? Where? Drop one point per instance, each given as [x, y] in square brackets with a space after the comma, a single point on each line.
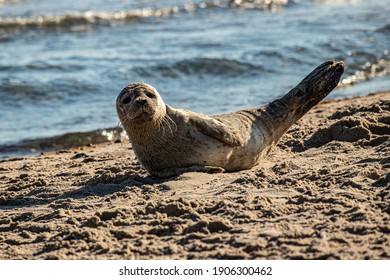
[217, 130]
[176, 171]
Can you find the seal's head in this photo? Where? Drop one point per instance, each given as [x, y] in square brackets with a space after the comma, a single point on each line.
[140, 106]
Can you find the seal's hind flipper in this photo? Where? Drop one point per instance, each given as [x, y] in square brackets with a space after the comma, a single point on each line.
[217, 130]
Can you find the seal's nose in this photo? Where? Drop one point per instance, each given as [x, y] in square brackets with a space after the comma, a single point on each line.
[141, 101]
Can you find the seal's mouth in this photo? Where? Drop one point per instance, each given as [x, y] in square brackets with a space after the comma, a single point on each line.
[143, 114]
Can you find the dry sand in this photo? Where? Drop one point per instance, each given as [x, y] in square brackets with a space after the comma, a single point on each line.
[323, 193]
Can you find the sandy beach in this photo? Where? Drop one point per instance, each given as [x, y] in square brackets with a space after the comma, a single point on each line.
[322, 193]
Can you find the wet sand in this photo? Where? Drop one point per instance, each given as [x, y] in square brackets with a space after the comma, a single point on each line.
[322, 193]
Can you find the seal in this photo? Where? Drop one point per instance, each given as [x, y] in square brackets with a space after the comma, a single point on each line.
[168, 141]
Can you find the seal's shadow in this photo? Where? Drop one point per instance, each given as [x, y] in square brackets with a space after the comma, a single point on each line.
[98, 186]
[108, 183]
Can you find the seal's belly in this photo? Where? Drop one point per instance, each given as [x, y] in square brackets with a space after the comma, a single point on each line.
[205, 151]
[247, 156]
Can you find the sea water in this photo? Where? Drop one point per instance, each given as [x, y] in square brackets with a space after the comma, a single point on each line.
[62, 63]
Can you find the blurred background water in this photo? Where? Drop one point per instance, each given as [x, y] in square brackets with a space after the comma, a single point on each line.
[62, 63]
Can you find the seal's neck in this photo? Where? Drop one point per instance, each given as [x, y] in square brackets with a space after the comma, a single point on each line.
[159, 125]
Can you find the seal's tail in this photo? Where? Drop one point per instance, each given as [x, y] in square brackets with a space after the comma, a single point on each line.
[284, 112]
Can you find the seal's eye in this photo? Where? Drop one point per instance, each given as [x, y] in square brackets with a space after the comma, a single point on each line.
[126, 100]
[150, 95]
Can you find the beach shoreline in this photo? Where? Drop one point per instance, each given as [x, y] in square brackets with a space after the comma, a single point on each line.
[322, 193]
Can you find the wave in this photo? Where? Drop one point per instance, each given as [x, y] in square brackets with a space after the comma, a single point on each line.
[10, 1]
[368, 71]
[41, 66]
[338, 1]
[385, 29]
[75, 21]
[16, 92]
[200, 67]
[65, 141]
[272, 5]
